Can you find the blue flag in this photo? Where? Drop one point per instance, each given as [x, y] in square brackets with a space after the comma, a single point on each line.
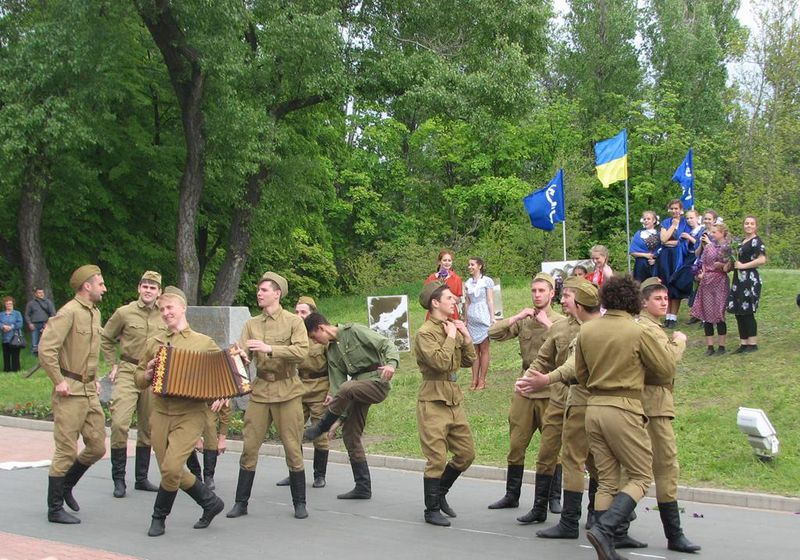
[546, 206]
[685, 176]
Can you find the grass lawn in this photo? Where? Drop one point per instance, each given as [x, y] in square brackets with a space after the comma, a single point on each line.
[708, 393]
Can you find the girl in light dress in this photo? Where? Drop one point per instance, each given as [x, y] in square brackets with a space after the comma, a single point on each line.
[479, 314]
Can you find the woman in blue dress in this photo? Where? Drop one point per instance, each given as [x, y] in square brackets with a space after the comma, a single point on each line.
[675, 239]
[645, 246]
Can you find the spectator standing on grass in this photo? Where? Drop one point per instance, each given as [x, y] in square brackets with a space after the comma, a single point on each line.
[601, 272]
[447, 276]
[645, 247]
[746, 288]
[712, 294]
[37, 312]
[479, 314]
[675, 234]
[11, 321]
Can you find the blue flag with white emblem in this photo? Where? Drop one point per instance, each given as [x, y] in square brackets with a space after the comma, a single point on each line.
[546, 206]
[685, 176]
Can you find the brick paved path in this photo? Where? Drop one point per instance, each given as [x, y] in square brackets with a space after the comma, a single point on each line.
[17, 547]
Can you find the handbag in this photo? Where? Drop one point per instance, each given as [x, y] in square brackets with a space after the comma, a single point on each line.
[17, 340]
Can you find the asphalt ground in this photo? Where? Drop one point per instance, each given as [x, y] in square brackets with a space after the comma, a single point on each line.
[387, 527]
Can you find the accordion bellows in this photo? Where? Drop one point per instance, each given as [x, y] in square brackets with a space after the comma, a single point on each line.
[199, 375]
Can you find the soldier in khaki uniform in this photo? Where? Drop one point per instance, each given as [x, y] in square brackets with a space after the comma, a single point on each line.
[527, 412]
[369, 360]
[659, 407]
[131, 326]
[611, 356]
[277, 342]
[68, 351]
[211, 445]
[314, 373]
[441, 347]
[176, 422]
[581, 301]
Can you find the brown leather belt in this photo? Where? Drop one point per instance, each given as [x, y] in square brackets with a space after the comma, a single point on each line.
[276, 376]
[313, 374]
[130, 360]
[628, 393]
[75, 376]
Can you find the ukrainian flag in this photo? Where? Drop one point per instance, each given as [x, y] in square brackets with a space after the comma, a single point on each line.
[612, 159]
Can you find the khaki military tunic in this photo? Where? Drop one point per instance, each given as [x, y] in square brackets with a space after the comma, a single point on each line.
[355, 382]
[553, 353]
[659, 407]
[277, 390]
[68, 351]
[611, 356]
[527, 412]
[131, 326]
[313, 371]
[176, 423]
[441, 420]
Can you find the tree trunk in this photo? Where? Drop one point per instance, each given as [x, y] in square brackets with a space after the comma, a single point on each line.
[35, 273]
[230, 273]
[188, 80]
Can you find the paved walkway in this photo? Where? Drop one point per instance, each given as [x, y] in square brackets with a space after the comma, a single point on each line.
[387, 527]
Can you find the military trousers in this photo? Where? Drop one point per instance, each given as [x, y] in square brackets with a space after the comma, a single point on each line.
[665, 458]
[126, 399]
[173, 438]
[288, 418]
[618, 440]
[575, 456]
[442, 429]
[210, 432]
[77, 416]
[550, 444]
[354, 399]
[525, 417]
[313, 406]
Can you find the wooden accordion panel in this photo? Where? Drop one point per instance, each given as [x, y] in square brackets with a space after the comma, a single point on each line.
[204, 376]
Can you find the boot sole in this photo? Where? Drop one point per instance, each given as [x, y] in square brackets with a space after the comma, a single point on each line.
[597, 545]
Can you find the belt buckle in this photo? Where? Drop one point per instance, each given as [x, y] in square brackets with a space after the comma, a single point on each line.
[270, 377]
[453, 377]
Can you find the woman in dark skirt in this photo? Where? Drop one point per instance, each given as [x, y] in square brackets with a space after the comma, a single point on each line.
[746, 288]
[675, 236]
[645, 246]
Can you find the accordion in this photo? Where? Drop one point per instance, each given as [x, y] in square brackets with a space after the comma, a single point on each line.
[203, 376]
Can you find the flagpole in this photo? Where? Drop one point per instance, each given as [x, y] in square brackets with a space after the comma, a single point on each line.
[628, 222]
[564, 237]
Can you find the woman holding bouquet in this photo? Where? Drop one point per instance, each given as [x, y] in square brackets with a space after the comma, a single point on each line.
[446, 275]
[746, 289]
[645, 247]
[712, 295]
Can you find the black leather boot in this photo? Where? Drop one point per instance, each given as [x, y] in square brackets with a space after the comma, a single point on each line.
[363, 488]
[193, 464]
[243, 488]
[209, 467]
[593, 484]
[513, 488]
[55, 502]
[320, 467]
[74, 474]
[601, 535]
[449, 476]
[211, 503]
[567, 527]
[433, 514]
[161, 509]
[298, 487]
[671, 520]
[284, 482]
[119, 459]
[622, 539]
[325, 423]
[541, 495]
[555, 491]
[142, 469]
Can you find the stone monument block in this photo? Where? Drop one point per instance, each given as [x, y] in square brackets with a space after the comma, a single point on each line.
[223, 324]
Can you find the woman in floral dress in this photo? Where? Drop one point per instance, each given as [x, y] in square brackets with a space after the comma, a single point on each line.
[746, 287]
[712, 294]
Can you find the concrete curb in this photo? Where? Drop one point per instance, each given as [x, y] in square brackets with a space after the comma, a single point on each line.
[685, 493]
